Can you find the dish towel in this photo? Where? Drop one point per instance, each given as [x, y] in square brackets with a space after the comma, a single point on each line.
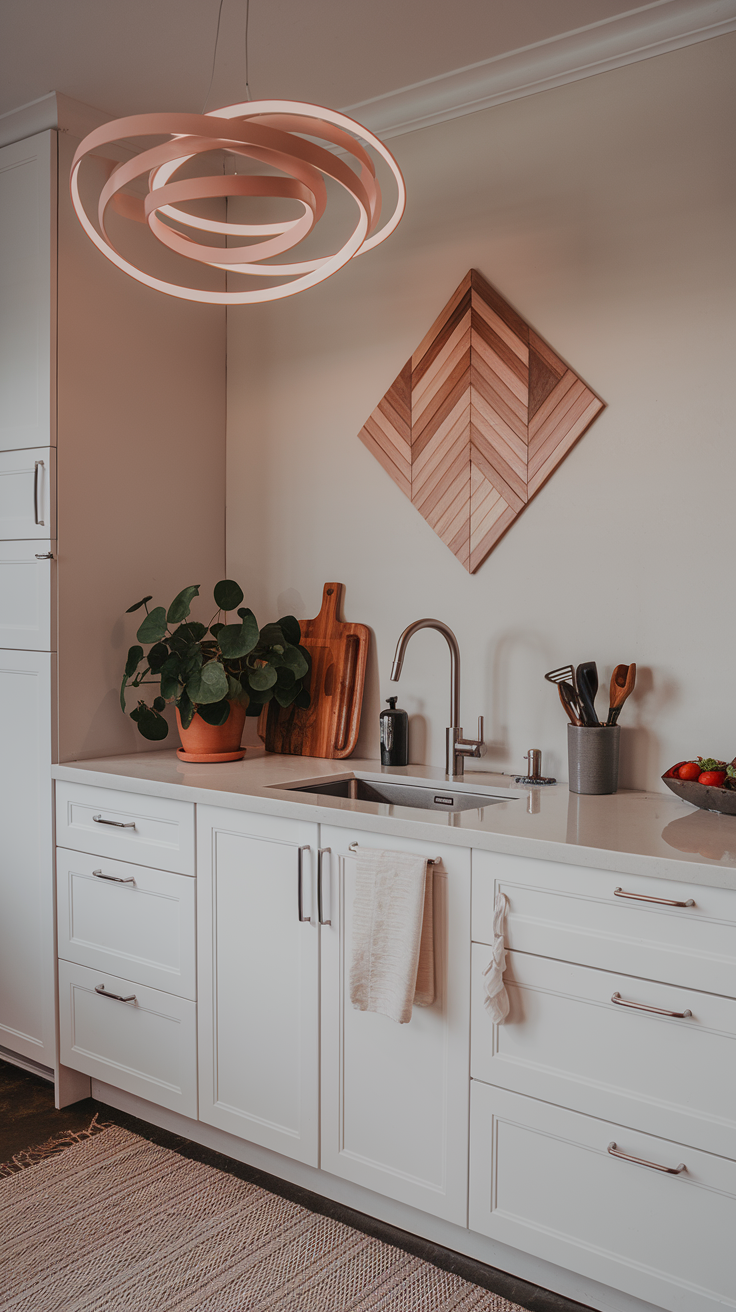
[393, 934]
[496, 1001]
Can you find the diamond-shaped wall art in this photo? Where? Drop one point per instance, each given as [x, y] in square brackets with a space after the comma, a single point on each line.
[477, 420]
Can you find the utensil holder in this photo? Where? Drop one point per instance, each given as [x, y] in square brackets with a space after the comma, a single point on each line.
[592, 756]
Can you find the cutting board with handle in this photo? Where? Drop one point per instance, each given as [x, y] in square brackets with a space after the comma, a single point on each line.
[329, 726]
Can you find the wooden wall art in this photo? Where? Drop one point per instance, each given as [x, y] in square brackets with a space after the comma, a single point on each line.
[477, 420]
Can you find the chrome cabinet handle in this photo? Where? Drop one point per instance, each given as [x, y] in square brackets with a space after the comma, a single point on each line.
[641, 1006]
[38, 465]
[320, 855]
[100, 988]
[300, 882]
[45, 555]
[114, 879]
[642, 1161]
[118, 824]
[661, 901]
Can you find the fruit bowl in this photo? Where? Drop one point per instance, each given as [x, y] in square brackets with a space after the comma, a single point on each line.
[705, 796]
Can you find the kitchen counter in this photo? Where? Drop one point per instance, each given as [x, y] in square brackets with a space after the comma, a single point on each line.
[630, 832]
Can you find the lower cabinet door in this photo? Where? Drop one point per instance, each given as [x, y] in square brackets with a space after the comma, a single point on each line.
[133, 1037]
[395, 1097]
[27, 966]
[258, 980]
[543, 1180]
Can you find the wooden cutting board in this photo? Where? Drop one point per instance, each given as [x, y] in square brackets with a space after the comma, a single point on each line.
[339, 652]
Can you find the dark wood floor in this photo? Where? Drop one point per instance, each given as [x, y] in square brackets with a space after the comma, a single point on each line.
[28, 1119]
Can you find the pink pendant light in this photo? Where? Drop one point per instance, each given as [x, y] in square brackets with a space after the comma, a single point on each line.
[276, 133]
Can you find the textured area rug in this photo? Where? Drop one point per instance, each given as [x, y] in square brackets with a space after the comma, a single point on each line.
[118, 1224]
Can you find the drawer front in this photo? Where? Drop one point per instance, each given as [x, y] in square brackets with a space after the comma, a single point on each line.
[574, 914]
[567, 1042]
[28, 494]
[147, 1046]
[542, 1180]
[149, 831]
[127, 919]
[28, 595]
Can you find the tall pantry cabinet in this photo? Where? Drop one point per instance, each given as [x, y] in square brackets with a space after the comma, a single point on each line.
[112, 431]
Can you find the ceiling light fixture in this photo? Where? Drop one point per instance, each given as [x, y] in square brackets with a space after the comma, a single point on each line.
[277, 134]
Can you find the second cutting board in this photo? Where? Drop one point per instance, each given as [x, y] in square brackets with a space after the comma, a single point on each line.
[329, 726]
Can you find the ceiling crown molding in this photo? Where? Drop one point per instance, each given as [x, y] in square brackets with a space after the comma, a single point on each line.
[52, 111]
[638, 34]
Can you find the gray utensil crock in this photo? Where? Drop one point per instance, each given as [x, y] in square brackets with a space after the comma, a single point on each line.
[593, 759]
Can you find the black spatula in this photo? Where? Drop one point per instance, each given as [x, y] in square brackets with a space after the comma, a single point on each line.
[587, 681]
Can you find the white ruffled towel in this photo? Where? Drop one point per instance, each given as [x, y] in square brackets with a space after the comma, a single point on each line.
[393, 934]
[496, 1001]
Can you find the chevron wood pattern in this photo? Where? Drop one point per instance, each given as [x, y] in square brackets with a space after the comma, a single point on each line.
[477, 420]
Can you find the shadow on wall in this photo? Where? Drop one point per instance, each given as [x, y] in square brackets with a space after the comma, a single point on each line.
[639, 753]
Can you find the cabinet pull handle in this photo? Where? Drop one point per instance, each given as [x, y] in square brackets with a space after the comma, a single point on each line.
[642, 1161]
[320, 855]
[118, 824]
[300, 882]
[641, 1006]
[100, 988]
[38, 465]
[114, 879]
[44, 555]
[645, 897]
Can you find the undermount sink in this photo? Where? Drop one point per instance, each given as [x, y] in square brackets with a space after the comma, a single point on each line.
[427, 797]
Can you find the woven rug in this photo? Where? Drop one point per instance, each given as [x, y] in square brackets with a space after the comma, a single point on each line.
[118, 1224]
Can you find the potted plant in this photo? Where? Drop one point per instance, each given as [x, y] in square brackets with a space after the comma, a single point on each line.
[215, 673]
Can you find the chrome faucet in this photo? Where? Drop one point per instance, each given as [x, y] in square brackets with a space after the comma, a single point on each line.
[457, 747]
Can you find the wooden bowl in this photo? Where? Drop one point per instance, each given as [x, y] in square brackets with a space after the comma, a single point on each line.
[705, 796]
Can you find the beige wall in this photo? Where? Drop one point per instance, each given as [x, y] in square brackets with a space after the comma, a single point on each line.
[603, 211]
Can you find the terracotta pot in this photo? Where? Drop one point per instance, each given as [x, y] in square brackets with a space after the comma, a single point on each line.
[211, 742]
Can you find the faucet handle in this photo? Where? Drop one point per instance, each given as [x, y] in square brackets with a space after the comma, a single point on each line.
[481, 745]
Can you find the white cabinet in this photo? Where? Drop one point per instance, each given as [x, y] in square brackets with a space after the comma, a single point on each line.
[126, 942]
[28, 595]
[543, 1180]
[27, 1021]
[395, 1097]
[621, 1034]
[90, 362]
[259, 980]
[27, 268]
[28, 494]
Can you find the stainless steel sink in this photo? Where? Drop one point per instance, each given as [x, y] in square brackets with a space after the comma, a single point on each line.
[428, 797]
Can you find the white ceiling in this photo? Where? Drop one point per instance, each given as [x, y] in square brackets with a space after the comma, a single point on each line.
[137, 56]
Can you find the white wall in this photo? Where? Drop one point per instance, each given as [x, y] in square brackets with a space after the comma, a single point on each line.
[603, 211]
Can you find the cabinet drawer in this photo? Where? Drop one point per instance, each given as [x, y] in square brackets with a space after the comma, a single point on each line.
[542, 1180]
[574, 914]
[28, 595]
[147, 1046]
[127, 918]
[150, 831]
[565, 1041]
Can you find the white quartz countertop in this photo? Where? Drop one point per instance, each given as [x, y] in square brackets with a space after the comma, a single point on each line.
[631, 832]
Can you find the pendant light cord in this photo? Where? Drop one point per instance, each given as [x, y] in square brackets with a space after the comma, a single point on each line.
[248, 95]
[214, 57]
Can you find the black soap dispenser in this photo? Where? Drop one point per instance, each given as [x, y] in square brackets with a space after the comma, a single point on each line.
[394, 735]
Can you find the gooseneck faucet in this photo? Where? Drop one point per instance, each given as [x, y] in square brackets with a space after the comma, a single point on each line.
[457, 747]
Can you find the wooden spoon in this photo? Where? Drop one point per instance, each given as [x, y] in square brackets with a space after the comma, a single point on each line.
[622, 685]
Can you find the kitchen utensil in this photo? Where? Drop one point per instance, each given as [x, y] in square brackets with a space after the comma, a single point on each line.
[570, 702]
[565, 673]
[587, 687]
[329, 726]
[622, 685]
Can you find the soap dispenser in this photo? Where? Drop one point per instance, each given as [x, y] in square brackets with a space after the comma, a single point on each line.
[394, 735]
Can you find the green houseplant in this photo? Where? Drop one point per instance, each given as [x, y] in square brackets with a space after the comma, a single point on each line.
[212, 670]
